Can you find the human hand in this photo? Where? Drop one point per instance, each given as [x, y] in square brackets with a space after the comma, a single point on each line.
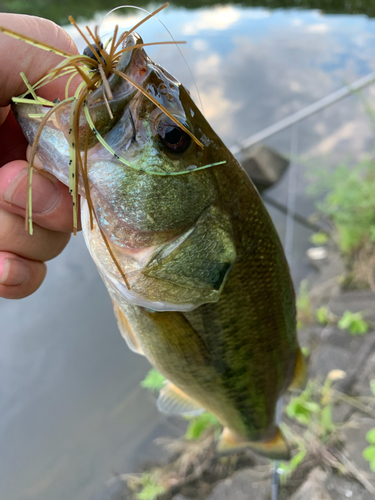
[22, 257]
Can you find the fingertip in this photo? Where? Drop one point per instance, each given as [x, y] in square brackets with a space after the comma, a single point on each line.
[19, 277]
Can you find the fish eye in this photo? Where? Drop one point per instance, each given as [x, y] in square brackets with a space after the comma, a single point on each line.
[175, 139]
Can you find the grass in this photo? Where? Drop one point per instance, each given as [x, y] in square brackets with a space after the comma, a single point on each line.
[348, 207]
[349, 204]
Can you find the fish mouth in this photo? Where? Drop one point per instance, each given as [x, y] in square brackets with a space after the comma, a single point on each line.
[126, 58]
[131, 60]
[132, 63]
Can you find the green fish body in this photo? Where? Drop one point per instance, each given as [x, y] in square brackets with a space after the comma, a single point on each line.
[208, 299]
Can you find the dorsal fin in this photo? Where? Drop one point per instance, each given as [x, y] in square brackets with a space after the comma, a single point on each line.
[173, 401]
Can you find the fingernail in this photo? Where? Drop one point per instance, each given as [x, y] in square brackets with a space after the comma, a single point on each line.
[45, 193]
[13, 272]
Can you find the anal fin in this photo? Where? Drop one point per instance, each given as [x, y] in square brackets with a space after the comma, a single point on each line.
[300, 373]
[275, 448]
[173, 401]
[126, 330]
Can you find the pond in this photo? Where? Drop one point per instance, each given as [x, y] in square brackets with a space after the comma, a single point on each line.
[72, 412]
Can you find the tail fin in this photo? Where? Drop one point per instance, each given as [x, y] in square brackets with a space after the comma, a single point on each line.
[275, 448]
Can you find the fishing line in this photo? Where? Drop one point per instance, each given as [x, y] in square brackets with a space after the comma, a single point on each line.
[170, 34]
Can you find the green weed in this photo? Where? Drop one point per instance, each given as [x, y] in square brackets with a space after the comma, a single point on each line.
[312, 410]
[153, 381]
[313, 407]
[197, 425]
[349, 203]
[288, 467]
[354, 323]
[319, 238]
[369, 452]
[322, 315]
[150, 488]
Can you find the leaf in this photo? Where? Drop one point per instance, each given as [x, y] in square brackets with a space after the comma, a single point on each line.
[297, 459]
[358, 327]
[326, 420]
[150, 488]
[369, 453]
[370, 436]
[286, 468]
[372, 386]
[322, 315]
[153, 381]
[311, 406]
[353, 322]
[319, 238]
[301, 410]
[199, 424]
[305, 351]
[150, 492]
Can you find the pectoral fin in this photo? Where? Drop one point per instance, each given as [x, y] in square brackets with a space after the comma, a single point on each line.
[199, 259]
[126, 331]
[275, 448]
[173, 401]
[300, 372]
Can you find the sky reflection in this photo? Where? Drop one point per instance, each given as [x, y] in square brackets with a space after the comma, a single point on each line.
[253, 66]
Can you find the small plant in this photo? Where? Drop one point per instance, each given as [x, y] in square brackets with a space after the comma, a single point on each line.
[312, 410]
[197, 425]
[349, 209]
[319, 238]
[303, 407]
[349, 203]
[150, 488]
[286, 468]
[369, 452]
[153, 381]
[322, 315]
[354, 323]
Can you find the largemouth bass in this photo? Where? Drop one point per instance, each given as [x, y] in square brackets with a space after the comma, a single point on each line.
[192, 262]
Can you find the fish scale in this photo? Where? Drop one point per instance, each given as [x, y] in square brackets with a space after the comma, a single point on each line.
[208, 297]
